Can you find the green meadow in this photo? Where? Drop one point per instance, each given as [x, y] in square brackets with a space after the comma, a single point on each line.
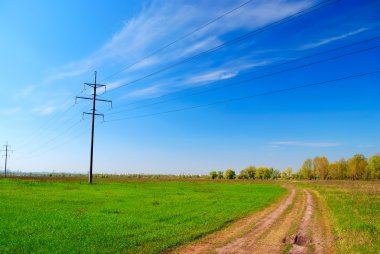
[46, 216]
[354, 209]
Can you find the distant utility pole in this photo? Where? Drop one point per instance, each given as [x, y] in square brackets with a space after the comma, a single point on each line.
[6, 155]
[94, 98]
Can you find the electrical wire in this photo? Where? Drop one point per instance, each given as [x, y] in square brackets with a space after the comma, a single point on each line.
[277, 91]
[47, 125]
[251, 79]
[179, 39]
[235, 40]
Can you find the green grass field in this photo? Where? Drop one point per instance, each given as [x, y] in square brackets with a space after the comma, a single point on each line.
[120, 217]
[354, 208]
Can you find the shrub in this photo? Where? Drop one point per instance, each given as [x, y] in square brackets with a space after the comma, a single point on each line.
[243, 174]
[213, 175]
[230, 174]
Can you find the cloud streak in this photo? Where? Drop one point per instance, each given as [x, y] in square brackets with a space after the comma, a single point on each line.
[213, 76]
[332, 39]
[44, 111]
[158, 25]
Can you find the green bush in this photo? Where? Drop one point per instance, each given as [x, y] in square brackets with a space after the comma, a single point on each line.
[229, 174]
[213, 175]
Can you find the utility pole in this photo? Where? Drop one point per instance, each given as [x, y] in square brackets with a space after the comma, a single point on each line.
[94, 98]
[6, 155]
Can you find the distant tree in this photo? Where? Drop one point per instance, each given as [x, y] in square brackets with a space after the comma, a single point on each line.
[283, 175]
[321, 167]
[373, 168]
[229, 174]
[276, 174]
[356, 166]
[243, 174]
[251, 172]
[306, 170]
[213, 175]
[338, 169]
[288, 172]
[220, 175]
[296, 176]
[259, 173]
[268, 173]
[263, 173]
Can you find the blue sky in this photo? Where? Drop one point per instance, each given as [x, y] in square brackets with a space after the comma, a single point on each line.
[49, 48]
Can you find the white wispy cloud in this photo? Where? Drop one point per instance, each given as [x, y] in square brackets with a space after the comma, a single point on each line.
[160, 23]
[145, 63]
[213, 76]
[25, 92]
[230, 69]
[332, 39]
[116, 84]
[260, 13]
[304, 144]
[44, 110]
[148, 92]
[72, 72]
[202, 45]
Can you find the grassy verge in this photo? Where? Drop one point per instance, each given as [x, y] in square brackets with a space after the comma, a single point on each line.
[355, 213]
[120, 217]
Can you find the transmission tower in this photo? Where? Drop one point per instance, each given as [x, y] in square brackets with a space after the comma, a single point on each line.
[6, 156]
[93, 113]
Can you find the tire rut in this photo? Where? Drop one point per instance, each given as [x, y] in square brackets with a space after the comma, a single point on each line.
[272, 240]
[269, 231]
[302, 239]
[240, 245]
[237, 230]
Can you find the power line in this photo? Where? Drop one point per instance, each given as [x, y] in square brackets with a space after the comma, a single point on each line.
[255, 78]
[67, 131]
[55, 138]
[54, 119]
[236, 40]
[69, 138]
[272, 66]
[47, 125]
[40, 130]
[252, 96]
[179, 39]
[41, 148]
[59, 122]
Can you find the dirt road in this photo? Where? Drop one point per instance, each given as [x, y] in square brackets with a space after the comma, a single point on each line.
[297, 224]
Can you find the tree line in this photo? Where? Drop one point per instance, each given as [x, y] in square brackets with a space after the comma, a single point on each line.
[358, 167]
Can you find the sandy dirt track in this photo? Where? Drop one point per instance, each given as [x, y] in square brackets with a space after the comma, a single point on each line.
[297, 224]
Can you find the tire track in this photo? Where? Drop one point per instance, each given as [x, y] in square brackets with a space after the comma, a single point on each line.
[272, 240]
[239, 229]
[302, 239]
[269, 231]
[240, 245]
